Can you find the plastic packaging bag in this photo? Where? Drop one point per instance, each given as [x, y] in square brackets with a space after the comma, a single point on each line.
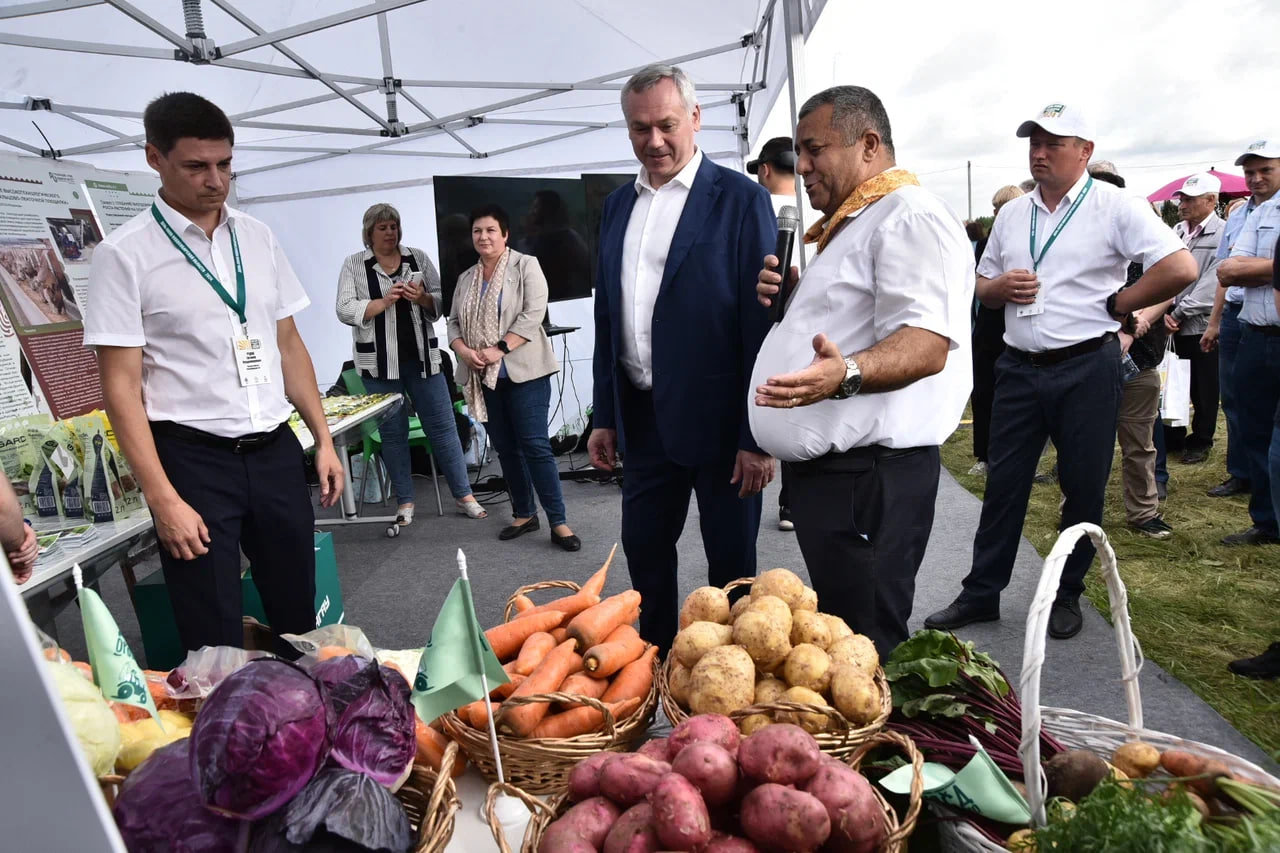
[205, 668]
[55, 483]
[315, 642]
[19, 455]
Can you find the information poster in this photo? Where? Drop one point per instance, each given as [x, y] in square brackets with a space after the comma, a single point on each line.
[52, 217]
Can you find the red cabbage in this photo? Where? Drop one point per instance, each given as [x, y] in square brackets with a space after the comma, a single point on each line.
[159, 809]
[338, 812]
[259, 739]
[371, 722]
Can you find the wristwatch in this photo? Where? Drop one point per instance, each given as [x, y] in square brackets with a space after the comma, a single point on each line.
[1128, 322]
[502, 345]
[852, 380]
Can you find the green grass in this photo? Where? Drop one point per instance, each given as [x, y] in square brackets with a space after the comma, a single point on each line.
[1194, 604]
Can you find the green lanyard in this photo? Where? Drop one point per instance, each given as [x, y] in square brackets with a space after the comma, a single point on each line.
[1035, 262]
[236, 304]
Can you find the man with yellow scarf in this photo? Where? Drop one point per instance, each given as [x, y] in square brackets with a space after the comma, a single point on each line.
[881, 319]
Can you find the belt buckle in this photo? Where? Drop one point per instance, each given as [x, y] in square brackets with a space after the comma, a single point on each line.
[240, 446]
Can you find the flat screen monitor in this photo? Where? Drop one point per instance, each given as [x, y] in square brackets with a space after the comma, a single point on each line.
[596, 188]
[548, 219]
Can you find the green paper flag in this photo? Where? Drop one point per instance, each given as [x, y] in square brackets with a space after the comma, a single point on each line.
[979, 787]
[115, 671]
[449, 670]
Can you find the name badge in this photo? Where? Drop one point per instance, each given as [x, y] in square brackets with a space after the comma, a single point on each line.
[251, 360]
[1034, 308]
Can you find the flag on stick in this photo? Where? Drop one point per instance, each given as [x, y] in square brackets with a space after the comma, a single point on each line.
[115, 670]
[457, 661]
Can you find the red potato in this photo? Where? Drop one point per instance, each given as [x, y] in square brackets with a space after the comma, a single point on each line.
[781, 818]
[562, 839]
[679, 814]
[655, 749]
[633, 833]
[857, 823]
[590, 820]
[716, 728]
[721, 843]
[781, 753]
[584, 778]
[711, 769]
[630, 778]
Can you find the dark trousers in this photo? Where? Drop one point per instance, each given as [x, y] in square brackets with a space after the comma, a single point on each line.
[988, 344]
[1228, 346]
[1075, 403]
[1257, 379]
[863, 520]
[517, 427]
[784, 493]
[258, 502]
[1204, 396]
[655, 504]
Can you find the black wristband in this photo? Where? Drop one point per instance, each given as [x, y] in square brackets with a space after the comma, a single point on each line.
[502, 345]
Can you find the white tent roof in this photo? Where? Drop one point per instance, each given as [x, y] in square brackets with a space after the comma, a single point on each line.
[349, 93]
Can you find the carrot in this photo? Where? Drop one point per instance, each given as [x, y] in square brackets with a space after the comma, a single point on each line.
[479, 719]
[507, 638]
[431, 747]
[467, 712]
[561, 634]
[633, 681]
[582, 720]
[126, 713]
[569, 605]
[520, 720]
[537, 647]
[522, 604]
[595, 583]
[621, 647]
[1181, 764]
[582, 684]
[592, 625]
[502, 691]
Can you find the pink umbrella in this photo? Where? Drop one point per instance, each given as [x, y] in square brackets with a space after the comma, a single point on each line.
[1232, 185]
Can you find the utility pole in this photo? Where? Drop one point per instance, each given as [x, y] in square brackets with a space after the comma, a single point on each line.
[968, 168]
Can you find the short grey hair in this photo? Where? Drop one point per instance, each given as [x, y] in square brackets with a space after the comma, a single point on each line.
[380, 212]
[854, 111]
[651, 75]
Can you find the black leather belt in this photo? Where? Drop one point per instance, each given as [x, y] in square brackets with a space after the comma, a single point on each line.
[1056, 356]
[242, 444]
[1269, 331]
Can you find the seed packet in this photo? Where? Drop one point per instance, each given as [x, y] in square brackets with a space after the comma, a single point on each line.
[56, 483]
[19, 456]
[130, 499]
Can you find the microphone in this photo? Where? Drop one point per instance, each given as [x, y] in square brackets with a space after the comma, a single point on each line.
[788, 224]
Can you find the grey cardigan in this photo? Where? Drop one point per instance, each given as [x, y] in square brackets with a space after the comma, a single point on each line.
[1191, 307]
[524, 304]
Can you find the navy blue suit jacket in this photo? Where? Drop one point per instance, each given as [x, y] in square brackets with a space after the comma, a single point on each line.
[707, 323]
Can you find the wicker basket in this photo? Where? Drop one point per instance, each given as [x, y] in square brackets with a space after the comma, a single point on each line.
[841, 741]
[544, 812]
[1076, 729]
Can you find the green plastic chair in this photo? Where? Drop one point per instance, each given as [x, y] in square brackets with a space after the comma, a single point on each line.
[372, 440]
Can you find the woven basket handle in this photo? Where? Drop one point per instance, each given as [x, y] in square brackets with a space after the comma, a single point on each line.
[916, 795]
[1033, 651]
[534, 587]
[839, 725]
[490, 802]
[610, 729]
[440, 788]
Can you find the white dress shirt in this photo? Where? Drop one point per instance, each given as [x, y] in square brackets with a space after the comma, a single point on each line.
[1084, 266]
[902, 261]
[1258, 240]
[644, 257]
[144, 293]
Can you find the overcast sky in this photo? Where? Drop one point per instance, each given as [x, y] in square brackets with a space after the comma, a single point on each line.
[1173, 86]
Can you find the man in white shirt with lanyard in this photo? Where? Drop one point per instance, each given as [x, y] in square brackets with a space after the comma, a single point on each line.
[890, 287]
[191, 310]
[1055, 261]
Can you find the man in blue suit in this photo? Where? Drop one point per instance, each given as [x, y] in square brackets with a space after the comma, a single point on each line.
[677, 331]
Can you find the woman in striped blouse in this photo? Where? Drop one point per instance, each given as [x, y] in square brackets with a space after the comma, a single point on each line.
[390, 295]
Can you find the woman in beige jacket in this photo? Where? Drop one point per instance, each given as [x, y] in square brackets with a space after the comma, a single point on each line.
[505, 362]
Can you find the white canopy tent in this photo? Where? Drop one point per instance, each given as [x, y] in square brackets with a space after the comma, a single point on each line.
[341, 103]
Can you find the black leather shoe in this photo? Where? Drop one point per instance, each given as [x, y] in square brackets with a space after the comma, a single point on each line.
[959, 613]
[511, 531]
[1065, 620]
[1196, 456]
[569, 543]
[1252, 536]
[1265, 665]
[1230, 486]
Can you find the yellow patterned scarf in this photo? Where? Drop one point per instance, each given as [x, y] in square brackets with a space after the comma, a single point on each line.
[872, 189]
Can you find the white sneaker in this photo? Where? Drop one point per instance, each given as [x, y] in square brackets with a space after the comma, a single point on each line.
[404, 515]
[979, 469]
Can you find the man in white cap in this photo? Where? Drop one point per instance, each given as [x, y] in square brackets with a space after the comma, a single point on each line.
[1200, 229]
[1257, 367]
[1055, 261]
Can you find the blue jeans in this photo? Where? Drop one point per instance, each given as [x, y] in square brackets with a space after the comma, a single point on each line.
[430, 396]
[1258, 369]
[518, 429]
[1228, 346]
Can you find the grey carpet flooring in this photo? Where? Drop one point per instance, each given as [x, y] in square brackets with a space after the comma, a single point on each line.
[393, 588]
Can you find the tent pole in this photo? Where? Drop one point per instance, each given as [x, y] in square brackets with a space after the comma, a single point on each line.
[796, 86]
[264, 38]
[22, 10]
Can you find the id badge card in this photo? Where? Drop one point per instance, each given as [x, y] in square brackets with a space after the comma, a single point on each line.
[251, 360]
[1034, 308]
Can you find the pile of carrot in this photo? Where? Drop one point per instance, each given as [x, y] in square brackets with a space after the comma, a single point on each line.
[578, 644]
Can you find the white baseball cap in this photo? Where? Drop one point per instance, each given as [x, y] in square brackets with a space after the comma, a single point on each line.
[1199, 184]
[1265, 148]
[1060, 120]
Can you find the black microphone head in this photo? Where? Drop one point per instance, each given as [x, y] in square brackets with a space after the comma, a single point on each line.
[788, 218]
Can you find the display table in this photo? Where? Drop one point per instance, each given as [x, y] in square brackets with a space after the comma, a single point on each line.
[342, 420]
[470, 829]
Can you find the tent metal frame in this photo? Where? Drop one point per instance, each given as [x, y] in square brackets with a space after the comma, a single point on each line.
[199, 49]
